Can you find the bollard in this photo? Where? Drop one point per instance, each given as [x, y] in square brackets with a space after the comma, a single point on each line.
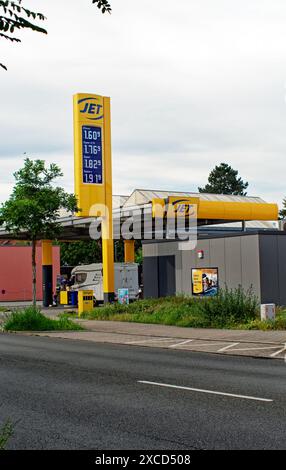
[267, 312]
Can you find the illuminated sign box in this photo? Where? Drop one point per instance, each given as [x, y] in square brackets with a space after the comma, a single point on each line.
[92, 164]
[91, 160]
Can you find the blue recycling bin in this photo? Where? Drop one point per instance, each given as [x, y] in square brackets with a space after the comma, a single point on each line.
[73, 298]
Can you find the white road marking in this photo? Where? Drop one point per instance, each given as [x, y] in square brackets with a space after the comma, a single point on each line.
[144, 382]
[210, 343]
[228, 347]
[255, 349]
[194, 346]
[181, 344]
[278, 352]
[153, 340]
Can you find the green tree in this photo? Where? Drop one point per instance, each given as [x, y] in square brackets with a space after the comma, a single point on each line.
[282, 213]
[223, 179]
[14, 16]
[81, 252]
[34, 206]
[139, 255]
[88, 252]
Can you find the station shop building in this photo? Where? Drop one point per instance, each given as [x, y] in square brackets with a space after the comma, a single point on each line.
[253, 259]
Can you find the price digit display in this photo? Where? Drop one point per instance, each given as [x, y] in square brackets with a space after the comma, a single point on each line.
[92, 155]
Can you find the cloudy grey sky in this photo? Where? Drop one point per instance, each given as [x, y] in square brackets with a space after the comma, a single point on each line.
[193, 83]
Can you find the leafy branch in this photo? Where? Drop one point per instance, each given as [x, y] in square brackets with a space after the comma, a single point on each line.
[14, 17]
[103, 5]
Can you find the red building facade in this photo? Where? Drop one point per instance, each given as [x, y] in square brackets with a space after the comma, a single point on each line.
[16, 272]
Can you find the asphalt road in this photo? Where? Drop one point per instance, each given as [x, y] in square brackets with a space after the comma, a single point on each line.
[78, 395]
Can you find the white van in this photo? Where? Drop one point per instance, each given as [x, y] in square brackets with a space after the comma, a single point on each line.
[90, 277]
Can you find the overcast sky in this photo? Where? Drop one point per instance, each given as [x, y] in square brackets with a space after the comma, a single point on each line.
[193, 83]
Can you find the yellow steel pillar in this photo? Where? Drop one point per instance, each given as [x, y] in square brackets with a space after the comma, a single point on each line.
[129, 251]
[47, 269]
[107, 220]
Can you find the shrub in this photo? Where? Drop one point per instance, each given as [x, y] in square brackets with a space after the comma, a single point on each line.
[230, 306]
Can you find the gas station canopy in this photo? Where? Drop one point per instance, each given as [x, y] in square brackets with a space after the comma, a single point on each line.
[212, 209]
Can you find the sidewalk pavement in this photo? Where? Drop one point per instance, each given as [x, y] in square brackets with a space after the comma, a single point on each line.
[142, 329]
[265, 344]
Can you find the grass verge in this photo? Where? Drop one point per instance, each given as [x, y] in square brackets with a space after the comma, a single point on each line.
[31, 319]
[230, 309]
[4, 309]
[5, 434]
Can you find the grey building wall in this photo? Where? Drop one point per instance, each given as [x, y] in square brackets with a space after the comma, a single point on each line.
[250, 260]
[282, 269]
[250, 264]
[150, 277]
[161, 269]
[236, 257]
[168, 249]
[273, 268]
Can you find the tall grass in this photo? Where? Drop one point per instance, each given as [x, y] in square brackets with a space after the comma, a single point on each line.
[228, 309]
[231, 306]
[31, 319]
[5, 434]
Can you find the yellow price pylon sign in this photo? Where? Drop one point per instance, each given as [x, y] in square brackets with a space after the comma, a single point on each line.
[93, 172]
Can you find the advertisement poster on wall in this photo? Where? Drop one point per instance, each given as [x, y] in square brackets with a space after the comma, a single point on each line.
[205, 282]
[123, 296]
